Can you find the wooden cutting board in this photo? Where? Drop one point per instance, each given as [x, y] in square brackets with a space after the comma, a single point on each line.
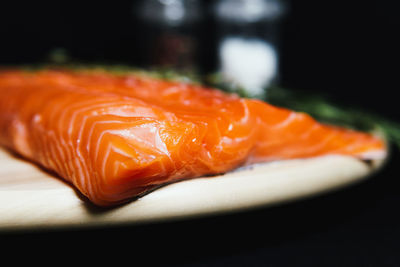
[31, 198]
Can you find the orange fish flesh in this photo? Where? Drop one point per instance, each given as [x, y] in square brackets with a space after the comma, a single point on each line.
[115, 137]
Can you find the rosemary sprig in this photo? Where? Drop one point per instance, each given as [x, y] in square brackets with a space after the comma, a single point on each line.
[158, 73]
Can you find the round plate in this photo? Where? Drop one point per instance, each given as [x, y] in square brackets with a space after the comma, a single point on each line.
[31, 198]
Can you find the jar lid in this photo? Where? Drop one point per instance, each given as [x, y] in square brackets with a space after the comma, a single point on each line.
[170, 12]
[249, 10]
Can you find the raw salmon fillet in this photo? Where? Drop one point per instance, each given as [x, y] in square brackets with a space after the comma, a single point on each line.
[115, 137]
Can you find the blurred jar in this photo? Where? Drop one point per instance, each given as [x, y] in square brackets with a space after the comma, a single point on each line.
[171, 33]
[248, 43]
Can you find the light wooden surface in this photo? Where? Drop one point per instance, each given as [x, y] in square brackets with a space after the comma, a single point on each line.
[31, 199]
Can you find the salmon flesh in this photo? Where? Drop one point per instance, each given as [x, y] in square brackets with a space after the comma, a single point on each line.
[116, 137]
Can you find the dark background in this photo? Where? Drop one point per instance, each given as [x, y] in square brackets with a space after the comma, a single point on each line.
[348, 49]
